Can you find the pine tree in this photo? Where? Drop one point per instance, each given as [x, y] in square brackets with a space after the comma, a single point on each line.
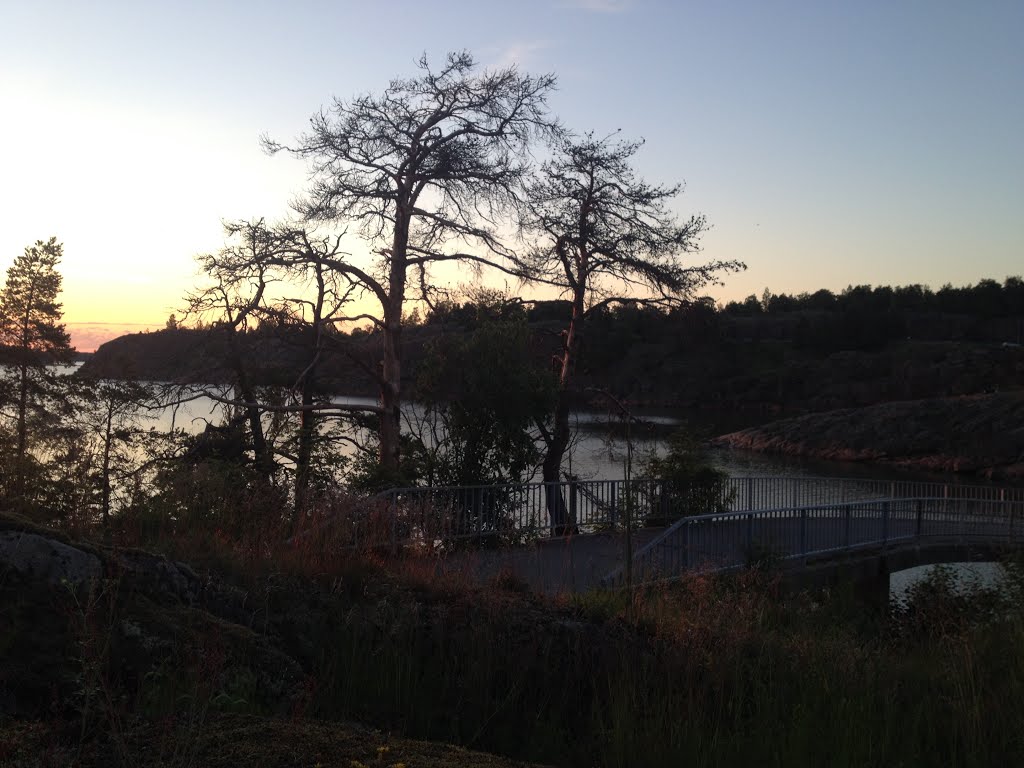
[32, 337]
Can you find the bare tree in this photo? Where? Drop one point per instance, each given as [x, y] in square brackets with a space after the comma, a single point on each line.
[604, 237]
[286, 277]
[239, 282]
[426, 170]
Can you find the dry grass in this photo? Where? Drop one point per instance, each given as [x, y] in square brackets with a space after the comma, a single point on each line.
[710, 671]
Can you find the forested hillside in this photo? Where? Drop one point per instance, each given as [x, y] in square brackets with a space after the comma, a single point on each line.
[779, 354]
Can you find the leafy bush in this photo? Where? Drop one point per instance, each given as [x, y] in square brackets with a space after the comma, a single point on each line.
[690, 486]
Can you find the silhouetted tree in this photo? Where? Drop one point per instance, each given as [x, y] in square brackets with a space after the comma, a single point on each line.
[425, 169]
[34, 337]
[108, 425]
[485, 392]
[604, 237]
[302, 325]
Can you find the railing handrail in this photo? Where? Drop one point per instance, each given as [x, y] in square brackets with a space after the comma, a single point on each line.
[775, 479]
[883, 506]
[834, 505]
[522, 511]
[814, 478]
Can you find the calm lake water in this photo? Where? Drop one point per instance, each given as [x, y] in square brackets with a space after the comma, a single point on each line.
[599, 452]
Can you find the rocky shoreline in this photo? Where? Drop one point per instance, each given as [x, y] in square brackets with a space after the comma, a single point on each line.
[980, 435]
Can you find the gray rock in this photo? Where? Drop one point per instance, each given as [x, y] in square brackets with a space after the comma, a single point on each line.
[159, 575]
[45, 558]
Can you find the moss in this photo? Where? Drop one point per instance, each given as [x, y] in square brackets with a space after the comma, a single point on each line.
[230, 741]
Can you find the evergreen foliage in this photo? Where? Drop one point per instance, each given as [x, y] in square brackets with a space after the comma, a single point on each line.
[32, 337]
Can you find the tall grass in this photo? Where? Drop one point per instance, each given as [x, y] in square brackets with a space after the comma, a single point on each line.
[714, 673]
[706, 672]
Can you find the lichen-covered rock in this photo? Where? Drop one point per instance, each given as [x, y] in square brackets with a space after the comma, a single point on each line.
[157, 575]
[44, 558]
[77, 619]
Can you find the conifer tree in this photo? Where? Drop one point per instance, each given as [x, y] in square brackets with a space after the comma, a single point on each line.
[32, 337]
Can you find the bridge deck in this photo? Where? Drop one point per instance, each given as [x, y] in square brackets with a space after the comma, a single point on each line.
[726, 525]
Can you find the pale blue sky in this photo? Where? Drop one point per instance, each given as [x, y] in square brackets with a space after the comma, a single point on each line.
[828, 143]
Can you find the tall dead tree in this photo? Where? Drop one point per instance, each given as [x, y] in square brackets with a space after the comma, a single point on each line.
[425, 169]
[604, 237]
[234, 300]
[284, 277]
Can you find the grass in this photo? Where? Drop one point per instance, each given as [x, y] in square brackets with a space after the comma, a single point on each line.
[706, 672]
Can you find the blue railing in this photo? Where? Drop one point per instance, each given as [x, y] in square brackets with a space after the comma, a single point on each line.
[503, 515]
[736, 539]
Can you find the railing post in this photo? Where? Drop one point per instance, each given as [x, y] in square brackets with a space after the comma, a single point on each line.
[750, 532]
[394, 531]
[750, 493]
[803, 532]
[846, 527]
[479, 504]
[686, 546]
[614, 504]
[573, 520]
[885, 523]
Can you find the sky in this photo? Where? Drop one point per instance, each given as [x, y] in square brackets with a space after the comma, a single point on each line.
[828, 143]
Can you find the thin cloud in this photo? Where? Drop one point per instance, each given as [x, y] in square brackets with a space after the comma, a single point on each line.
[523, 54]
[86, 337]
[599, 6]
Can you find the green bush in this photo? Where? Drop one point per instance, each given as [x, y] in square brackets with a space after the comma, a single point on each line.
[689, 485]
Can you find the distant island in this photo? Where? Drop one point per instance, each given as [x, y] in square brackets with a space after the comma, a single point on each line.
[912, 360]
[974, 434]
[761, 358]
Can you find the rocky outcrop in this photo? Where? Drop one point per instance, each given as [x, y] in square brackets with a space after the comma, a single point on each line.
[79, 621]
[39, 557]
[135, 659]
[979, 434]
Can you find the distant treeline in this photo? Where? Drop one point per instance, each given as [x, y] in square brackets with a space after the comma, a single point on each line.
[859, 317]
[781, 353]
[987, 298]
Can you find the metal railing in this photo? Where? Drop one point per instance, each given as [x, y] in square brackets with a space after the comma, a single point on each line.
[737, 539]
[514, 514]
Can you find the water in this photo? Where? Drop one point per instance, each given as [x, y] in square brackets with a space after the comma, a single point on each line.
[600, 451]
[967, 576]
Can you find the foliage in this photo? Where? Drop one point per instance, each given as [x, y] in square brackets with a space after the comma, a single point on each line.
[725, 670]
[30, 314]
[425, 171]
[868, 317]
[483, 395]
[605, 238]
[690, 486]
[603, 232]
[211, 485]
[31, 338]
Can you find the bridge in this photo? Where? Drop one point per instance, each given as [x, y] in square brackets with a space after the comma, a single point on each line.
[863, 541]
[641, 531]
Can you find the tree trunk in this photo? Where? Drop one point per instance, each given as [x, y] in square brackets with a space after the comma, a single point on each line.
[262, 459]
[107, 439]
[307, 433]
[391, 399]
[22, 413]
[559, 441]
[308, 418]
[552, 471]
[391, 364]
[20, 469]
